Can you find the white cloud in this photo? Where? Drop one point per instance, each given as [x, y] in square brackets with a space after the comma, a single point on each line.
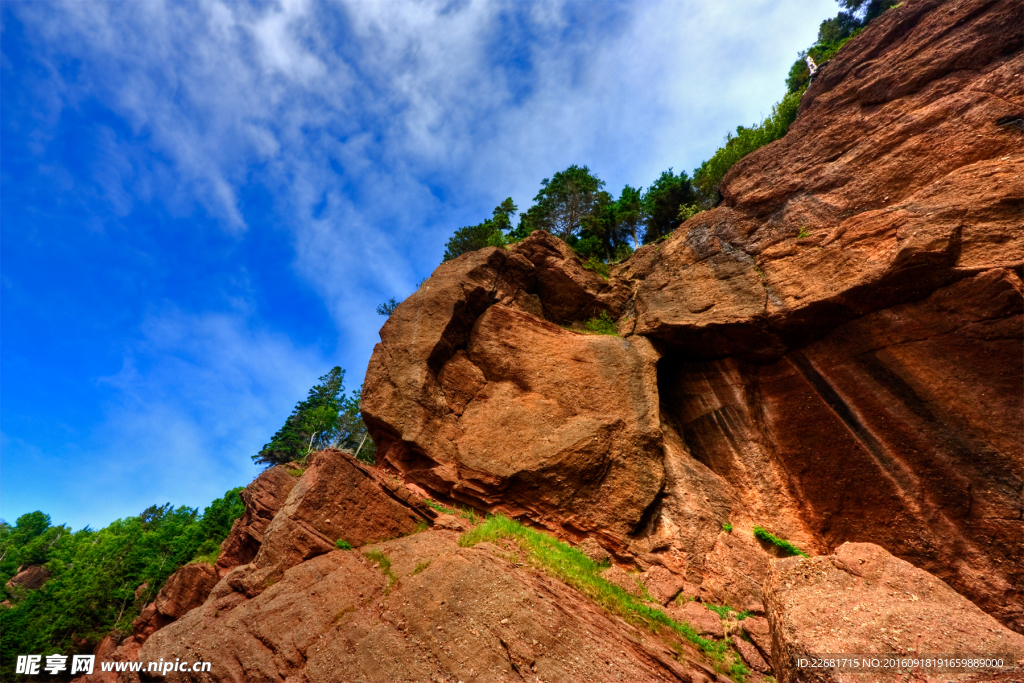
[376, 128]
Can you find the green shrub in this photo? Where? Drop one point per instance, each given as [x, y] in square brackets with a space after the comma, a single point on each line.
[724, 611]
[688, 211]
[781, 543]
[596, 265]
[727, 528]
[602, 324]
[209, 558]
[297, 472]
[804, 232]
[579, 571]
[343, 544]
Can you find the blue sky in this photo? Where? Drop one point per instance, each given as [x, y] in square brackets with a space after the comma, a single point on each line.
[201, 203]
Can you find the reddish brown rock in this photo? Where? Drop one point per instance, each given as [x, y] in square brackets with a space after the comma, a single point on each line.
[884, 224]
[113, 648]
[703, 620]
[864, 600]
[662, 584]
[454, 614]
[592, 549]
[186, 589]
[758, 631]
[336, 498]
[623, 579]
[263, 498]
[750, 655]
[29, 578]
[478, 401]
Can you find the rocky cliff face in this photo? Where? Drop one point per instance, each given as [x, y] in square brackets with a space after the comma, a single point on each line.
[833, 354]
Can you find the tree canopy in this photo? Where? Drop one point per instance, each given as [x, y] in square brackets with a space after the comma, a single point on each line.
[490, 233]
[564, 201]
[661, 203]
[94, 575]
[326, 418]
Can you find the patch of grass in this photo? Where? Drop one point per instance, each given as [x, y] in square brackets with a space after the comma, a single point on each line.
[341, 615]
[421, 526]
[296, 472]
[582, 573]
[727, 528]
[781, 543]
[384, 562]
[208, 558]
[343, 544]
[469, 515]
[420, 567]
[441, 508]
[804, 232]
[597, 266]
[602, 324]
[760, 271]
[726, 612]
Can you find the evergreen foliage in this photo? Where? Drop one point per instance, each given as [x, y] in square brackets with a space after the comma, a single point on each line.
[564, 201]
[327, 418]
[746, 140]
[388, 307]
[661, 204]
[94, 574]
[311, 424]
[490, 233]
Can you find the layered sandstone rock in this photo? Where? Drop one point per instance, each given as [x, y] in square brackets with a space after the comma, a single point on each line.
[861, 599]
[834, 353]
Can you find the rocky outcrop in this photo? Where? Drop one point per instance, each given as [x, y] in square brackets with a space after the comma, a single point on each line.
[28, 578]
[262, 498]
[861, 599]
[186, 589]
[834, 353]
[470, 614]
[481, 398]
[418, 607]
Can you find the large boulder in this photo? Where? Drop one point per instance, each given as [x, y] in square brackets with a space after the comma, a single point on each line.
[337, 498]
[476, 394]
[861, 599]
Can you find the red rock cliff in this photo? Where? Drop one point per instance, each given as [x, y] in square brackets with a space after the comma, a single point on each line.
[834, 353]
